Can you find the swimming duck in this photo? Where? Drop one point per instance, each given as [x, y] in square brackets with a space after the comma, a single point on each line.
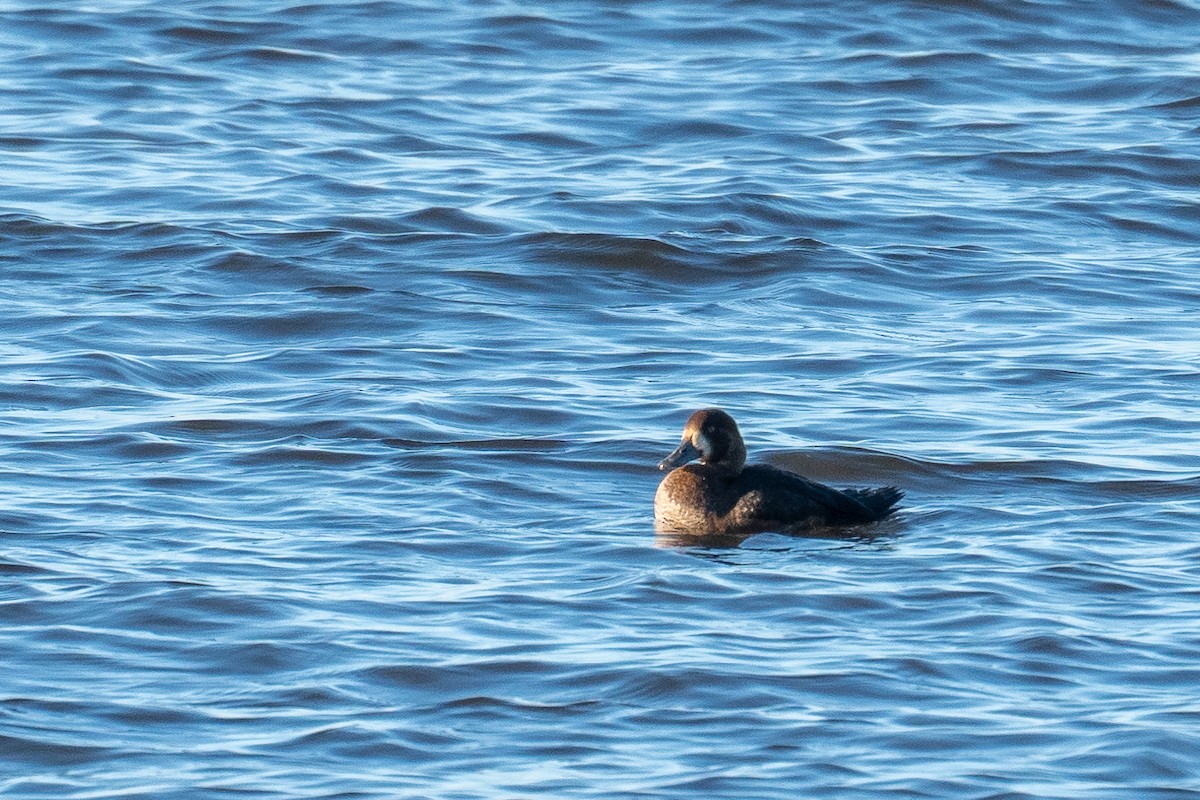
[723, 496]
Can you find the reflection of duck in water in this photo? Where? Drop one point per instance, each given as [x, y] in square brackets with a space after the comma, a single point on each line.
[723, 496]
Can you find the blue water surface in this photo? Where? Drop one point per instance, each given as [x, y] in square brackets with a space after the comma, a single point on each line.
[340, 341]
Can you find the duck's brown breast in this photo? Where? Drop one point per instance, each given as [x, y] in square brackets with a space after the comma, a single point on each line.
[704, 499]
[682, 501]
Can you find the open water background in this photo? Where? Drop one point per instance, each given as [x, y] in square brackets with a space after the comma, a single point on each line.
[340, 341]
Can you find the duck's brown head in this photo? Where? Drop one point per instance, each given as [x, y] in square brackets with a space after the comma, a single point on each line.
[712, 436]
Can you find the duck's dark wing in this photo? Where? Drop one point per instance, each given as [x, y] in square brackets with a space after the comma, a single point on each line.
[789, 497]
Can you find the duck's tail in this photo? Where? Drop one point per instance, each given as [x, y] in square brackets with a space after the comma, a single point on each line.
[882, 502]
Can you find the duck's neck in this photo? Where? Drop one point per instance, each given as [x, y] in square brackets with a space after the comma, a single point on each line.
[730, 460]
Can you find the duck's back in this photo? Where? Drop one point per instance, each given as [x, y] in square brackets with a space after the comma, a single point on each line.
[786, 499]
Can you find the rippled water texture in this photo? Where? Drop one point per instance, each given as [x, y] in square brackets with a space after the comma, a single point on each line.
[340, 342]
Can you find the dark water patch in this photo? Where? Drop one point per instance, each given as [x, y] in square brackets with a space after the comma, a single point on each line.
[412, 143]
[272, 56]
[601, 251]
[452, 220]
[227, 32]
[497, 445]
[102, 366]
[867, 464]
[345, 156]
[229, 426]
[23, 142]
[56, 23]
[1185, 105]
[285, 326]
[250, 263]
[17, 568]
[267, 427]
[692, 129]
[542, 33]
[37, 752]
[301, 456]
[345, 743]
[1184, 233]
[733, 35]
[339, 291]
[1078, 164]
[142, 449]
[370, 225]
[549, 140]
[129, 79]
[317, 184]
[143, 717]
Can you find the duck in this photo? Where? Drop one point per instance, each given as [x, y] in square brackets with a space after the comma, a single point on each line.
[723, 496]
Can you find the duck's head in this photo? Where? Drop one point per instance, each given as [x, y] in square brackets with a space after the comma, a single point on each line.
[712, 436]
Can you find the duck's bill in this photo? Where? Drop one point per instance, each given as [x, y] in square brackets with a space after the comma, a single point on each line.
[682, 455]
